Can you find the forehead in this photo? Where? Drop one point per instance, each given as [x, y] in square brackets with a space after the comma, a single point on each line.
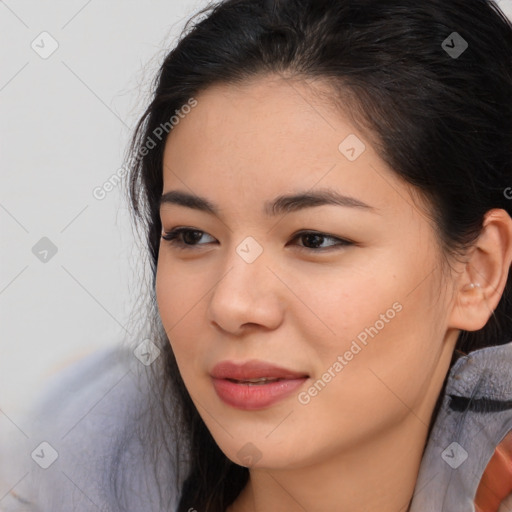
[269, 123]
[266, 137]
[240, 117]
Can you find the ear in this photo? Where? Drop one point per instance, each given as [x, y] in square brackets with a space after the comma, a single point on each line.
[488, 268]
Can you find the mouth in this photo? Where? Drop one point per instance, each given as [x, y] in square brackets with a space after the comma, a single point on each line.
[255, 382]
[254, 385]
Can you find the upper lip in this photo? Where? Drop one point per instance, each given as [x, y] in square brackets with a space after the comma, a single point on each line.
[253, 370]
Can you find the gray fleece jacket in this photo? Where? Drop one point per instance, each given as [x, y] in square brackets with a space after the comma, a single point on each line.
[78, 449]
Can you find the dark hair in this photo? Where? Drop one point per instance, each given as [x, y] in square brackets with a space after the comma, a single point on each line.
[441, 120]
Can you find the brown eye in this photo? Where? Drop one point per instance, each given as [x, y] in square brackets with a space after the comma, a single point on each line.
[313, 240]
[188, 238]
[184, 238]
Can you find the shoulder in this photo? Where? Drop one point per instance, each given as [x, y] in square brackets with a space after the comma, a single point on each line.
[82, 446]
[471, 439]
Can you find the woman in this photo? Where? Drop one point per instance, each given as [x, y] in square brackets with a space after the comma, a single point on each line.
[325, 191]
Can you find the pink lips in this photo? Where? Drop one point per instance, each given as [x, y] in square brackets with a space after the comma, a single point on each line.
[230, 381]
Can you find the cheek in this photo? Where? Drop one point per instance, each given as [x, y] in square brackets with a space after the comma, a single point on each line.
[181, 300]
[342, 305]
[173, 300]
[178, 290]
[165, 290]
[383, 331]
[390, 360]
[380, 381]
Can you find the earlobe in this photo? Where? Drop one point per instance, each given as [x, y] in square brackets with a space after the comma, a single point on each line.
[471, 311]
[483, 280]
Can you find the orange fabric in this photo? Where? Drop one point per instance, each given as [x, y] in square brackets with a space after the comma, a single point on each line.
[496, 482]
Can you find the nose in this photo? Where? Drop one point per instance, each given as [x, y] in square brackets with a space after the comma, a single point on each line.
[247, 295]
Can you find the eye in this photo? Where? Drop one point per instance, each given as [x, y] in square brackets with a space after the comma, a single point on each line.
[183, 238]
[188, 238]
[316, 238]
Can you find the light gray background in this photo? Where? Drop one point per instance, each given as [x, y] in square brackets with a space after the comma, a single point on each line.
[65, 122]
[64, 125]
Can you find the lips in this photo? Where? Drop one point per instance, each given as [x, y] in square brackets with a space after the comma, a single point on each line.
[254, 384]
[253, 370]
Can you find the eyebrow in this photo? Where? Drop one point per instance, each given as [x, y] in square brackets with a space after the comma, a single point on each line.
[280, 205]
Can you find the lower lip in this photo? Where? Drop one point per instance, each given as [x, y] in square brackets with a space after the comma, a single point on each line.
[258, 396]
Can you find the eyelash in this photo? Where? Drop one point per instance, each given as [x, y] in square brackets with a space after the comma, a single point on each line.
[171, 237]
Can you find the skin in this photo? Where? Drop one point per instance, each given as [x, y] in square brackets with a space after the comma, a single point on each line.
[244, 145]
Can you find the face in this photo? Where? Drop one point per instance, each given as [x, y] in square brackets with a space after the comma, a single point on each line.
[348, 298]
